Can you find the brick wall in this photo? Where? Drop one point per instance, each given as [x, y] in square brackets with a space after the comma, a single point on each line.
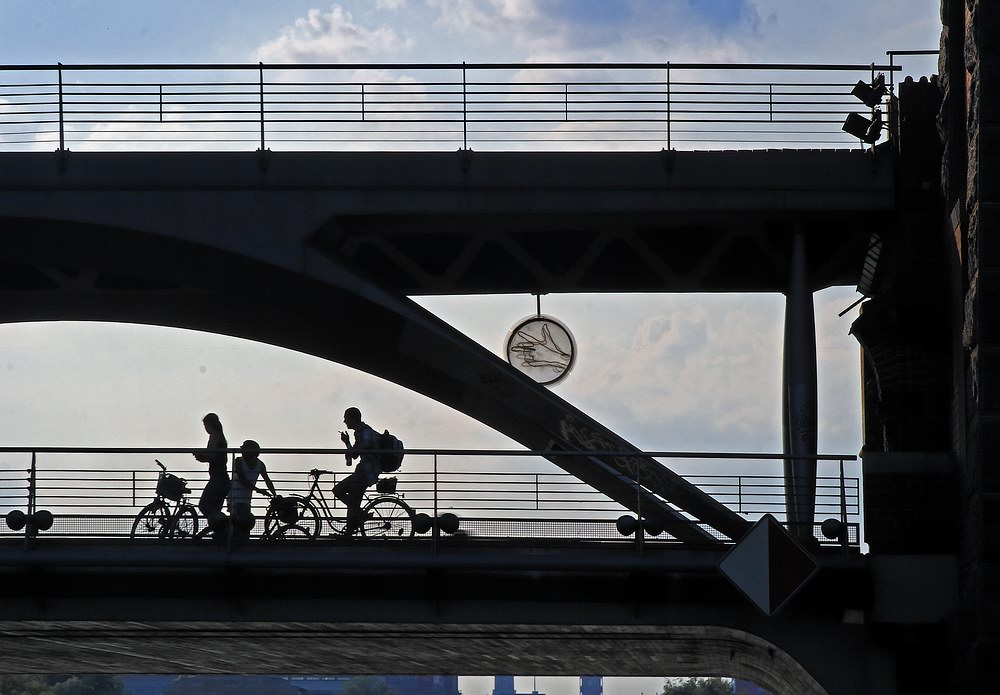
[970, 123]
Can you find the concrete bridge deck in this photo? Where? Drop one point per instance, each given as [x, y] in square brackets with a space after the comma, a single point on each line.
[402, 608]
[469, 222]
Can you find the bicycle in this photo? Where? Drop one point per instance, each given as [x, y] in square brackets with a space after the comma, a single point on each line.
[169, 515]
[383, 515]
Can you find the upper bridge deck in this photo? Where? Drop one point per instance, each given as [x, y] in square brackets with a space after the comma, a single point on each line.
[561, 177]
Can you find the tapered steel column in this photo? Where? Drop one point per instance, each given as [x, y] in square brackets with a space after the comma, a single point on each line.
[799, 402]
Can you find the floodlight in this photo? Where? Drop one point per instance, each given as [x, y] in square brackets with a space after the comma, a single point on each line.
[875, 129]
[871, 94]
[864, 129]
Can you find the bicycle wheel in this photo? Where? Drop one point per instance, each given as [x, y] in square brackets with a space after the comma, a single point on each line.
[292, 532]
[387, 517]
[184, 524]
[307, 518]
[151, 522]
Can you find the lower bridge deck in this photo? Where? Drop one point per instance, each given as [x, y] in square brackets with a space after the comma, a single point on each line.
[409, 607]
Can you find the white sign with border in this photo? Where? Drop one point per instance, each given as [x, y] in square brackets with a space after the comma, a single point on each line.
[541, 347]
[768, 566]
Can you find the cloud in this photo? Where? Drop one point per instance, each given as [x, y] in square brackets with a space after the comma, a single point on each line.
[520, 30]
[609, 30]
[695, 365]
[475, 15]
[332, 36]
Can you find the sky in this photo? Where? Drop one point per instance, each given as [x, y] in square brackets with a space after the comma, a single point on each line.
[667, 372]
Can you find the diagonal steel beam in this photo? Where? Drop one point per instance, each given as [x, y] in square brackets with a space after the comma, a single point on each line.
[348, 320]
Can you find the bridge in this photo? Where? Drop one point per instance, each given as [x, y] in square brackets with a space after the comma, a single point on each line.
[539, 574]
[231, 241]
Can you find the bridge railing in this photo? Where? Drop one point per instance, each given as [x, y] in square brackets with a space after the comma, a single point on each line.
[495, 494]
[481, 106]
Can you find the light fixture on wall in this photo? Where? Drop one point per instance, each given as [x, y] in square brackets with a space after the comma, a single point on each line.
[865, 129]
[871, 94]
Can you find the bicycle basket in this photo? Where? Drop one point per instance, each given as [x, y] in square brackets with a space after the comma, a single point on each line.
[285, 509]
[386, 485]
[171, 487]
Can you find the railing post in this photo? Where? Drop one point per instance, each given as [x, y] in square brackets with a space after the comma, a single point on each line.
[565, 102]
[229, 527]
[261, 85]
[133, 488]
[890, 112]
[668, 104]
[770, 103]
[435, 531]
[465, 125]
[161, 103]
[844, 540]
[537, 498]
[638, 509]
[362, 101]
[28, 525]
[62, 127]
[739, 492]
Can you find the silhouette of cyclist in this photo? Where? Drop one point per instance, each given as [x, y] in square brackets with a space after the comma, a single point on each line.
[351, 489]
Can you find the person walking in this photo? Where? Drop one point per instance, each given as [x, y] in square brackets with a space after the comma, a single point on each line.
[247, 468]
[215, 455]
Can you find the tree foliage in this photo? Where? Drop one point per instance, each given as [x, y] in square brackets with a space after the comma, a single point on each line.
[90, 685]
[699, 686]
[367, 685]
[61, 685]
[24, 685]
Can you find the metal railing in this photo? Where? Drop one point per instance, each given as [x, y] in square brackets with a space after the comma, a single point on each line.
[100, 500]
[428, 106]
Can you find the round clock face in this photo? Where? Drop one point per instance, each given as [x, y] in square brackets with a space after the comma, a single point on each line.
[542, 348]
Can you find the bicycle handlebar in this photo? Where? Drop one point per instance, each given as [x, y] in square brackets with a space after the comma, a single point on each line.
[164, 469]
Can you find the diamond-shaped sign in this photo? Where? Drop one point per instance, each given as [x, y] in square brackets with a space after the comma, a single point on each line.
[768, 565]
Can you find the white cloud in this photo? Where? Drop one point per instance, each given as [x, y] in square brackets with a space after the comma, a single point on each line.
[331, 37]
[390, 4]
[508, 30]
[475, 15]
[698, 365]
[535, 31]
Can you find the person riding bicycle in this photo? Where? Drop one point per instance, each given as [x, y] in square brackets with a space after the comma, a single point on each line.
[351, 489]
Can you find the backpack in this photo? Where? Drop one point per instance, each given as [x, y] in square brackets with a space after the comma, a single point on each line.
[393, 455]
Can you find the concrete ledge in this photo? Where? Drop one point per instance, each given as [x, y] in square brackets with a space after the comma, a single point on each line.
[889, 462]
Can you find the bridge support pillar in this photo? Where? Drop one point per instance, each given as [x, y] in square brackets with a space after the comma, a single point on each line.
[799, 398]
